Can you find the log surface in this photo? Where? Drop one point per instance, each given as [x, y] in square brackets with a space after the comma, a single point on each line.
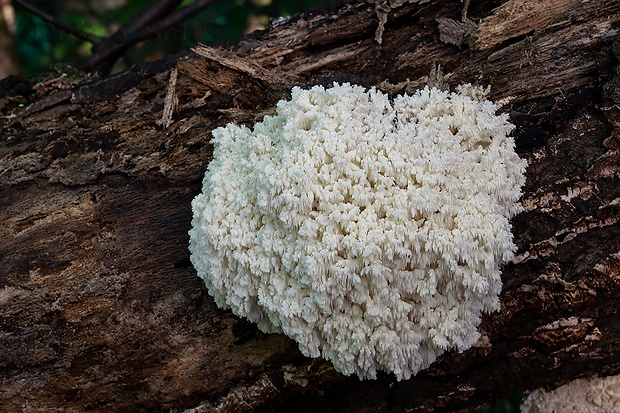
[101, 310]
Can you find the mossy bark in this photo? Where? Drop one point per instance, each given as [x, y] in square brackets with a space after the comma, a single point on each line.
[100, 308]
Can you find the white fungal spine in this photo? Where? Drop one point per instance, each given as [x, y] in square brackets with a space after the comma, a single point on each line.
[369, 232]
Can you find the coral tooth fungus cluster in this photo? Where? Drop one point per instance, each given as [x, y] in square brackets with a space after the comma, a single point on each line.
[369, 231]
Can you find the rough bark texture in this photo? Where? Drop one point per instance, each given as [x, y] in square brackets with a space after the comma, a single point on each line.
[100, 308]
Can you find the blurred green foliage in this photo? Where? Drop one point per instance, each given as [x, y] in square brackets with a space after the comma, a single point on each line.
[40, 44]
[33, 42]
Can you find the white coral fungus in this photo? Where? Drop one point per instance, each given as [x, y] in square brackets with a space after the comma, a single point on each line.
[370, 232]
[593, 395]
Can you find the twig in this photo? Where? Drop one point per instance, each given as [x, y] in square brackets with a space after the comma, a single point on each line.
[147, 15]
[114, 51]
[59, 24]
[464, 12]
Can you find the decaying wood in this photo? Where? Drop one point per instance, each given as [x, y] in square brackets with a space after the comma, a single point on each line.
[100, 308]
[171, 101]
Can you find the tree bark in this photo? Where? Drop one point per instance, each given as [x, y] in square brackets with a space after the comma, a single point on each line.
[100, 308]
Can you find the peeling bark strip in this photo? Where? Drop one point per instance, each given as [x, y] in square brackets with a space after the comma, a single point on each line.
[234, 62]
[515, 18]
[171, 100]
[101, 310]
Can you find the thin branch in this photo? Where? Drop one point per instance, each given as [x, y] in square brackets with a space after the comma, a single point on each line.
[59, 24]
[147, 16]
[116, 50]
[464, 12]
[181, 15]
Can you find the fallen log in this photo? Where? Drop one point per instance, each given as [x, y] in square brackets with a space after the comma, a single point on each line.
[100, 308]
